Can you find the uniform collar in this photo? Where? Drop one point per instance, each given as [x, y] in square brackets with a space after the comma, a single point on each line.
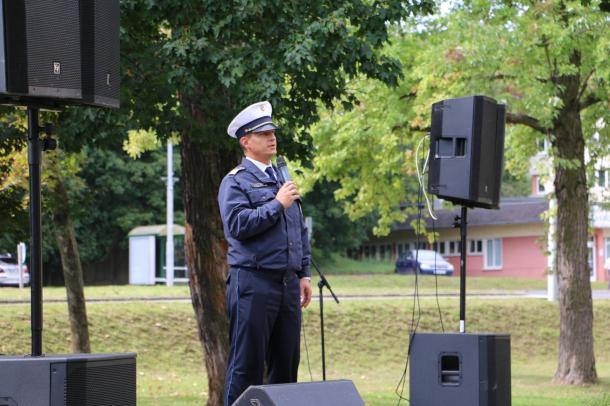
[259, 164]
[257, 169]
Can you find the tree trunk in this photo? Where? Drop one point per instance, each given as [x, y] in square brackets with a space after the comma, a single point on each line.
[206, 252]
[576, 363]
[72, 270]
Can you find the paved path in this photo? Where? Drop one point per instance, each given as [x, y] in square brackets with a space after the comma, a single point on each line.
[530, 294]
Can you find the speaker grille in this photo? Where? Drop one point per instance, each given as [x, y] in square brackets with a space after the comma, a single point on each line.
[100, 51]
[15, 46]
[53, 48]
[107, 46]
[101, 384]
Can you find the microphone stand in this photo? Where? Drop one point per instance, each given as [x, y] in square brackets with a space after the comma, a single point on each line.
[321, 283]
[285, 176]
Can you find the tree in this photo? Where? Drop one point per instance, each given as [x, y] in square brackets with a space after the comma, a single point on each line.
[14, 221]
[60, 169]
[57, 168]
[547, 61]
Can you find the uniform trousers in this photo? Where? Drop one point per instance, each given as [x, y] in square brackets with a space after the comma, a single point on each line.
[264, 309]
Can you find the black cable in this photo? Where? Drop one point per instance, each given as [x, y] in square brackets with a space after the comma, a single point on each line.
[416, 305]
[438, 305]
[306, 349]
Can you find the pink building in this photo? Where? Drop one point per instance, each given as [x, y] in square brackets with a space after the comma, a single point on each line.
[511, 241]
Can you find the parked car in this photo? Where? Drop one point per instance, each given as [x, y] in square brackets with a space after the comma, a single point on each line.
[9, 271]
[428, 262]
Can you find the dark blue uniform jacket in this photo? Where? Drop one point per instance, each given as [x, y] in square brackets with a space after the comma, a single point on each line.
[261, 234]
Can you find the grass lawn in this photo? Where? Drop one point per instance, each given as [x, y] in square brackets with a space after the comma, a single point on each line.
[342, 284]
[366, 340]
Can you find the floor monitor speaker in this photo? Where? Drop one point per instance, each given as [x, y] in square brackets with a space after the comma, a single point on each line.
[324, 393]
[460, 369]
[68, 380]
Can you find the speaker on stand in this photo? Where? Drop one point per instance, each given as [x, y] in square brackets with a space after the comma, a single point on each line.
[40, 57]
[466, 159]
[467, 151]
[61, 52]
[52, 54]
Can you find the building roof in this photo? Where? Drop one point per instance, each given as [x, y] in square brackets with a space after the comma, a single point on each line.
[157, 229]
[513, 210]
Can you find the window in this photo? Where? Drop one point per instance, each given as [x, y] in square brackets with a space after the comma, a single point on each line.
[602, 178]
[454, 248]
[422, 245]
[541, 188]
[493, 254]
[475, 247]
[544, 145]
[439, 246]
[607, 262]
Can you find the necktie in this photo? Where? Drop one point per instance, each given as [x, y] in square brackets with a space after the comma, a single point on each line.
[269, 171]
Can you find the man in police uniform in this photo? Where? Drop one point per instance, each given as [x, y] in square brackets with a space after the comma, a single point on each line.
[269, 254]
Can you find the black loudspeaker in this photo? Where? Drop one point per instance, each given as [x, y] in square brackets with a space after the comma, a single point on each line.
[467, 151]
[41, 49]
[100, 52]
[59, 52]
[68, 380]
[460, 370]
[325, 393]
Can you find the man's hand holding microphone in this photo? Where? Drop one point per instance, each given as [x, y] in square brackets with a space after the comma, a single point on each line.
[288, 193]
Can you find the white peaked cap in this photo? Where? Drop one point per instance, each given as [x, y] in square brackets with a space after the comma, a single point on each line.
[254, 118]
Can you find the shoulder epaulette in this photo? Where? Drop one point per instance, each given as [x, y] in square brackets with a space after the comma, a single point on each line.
[237, 169]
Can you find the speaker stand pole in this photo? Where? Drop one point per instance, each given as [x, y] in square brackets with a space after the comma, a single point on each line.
[34, 158]
[323, 282]
[463, 249]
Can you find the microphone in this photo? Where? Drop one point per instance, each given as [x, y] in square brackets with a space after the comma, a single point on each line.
[282, 167]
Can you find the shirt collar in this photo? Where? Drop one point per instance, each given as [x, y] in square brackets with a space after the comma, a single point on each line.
[259, 164]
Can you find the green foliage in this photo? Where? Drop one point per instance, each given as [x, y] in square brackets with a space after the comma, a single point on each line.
[515, 185]
[140, 141]
[14, 218]
[191, 65]
[515, 52]
[332, 230]
[122, 193]
[369, 152]
[220, 56]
